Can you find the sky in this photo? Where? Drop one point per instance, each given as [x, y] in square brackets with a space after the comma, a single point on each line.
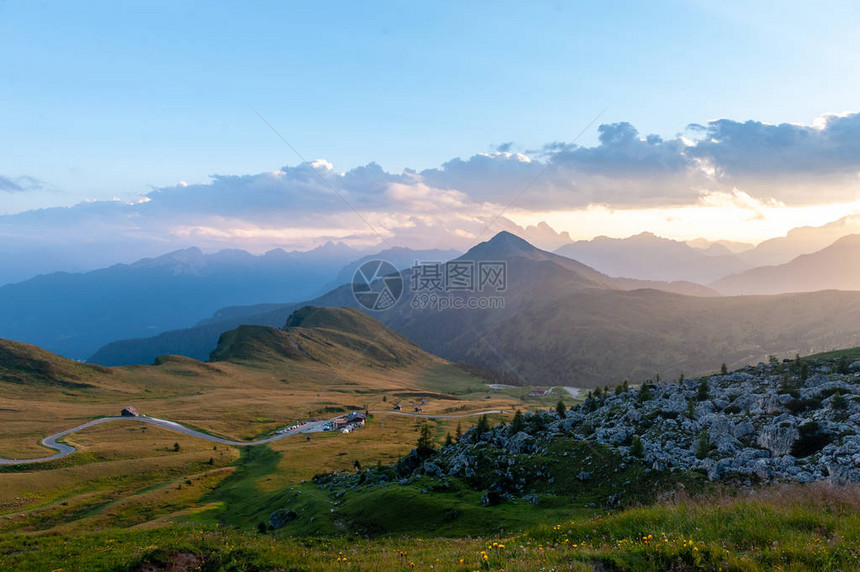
[170, 123]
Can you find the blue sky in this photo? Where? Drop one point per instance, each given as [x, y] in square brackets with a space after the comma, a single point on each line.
[147, 102]
[105, 99]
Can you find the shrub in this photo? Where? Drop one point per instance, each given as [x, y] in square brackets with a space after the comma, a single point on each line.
[636, 447]
[812, 439]
[702, 390]
[838, 402]
[796, 406]
[517, 424]
[425, 441]
[703, 445]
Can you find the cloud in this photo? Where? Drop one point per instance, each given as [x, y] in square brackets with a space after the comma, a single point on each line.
[19, 184]
[749, 166]
[793, 163]
[624, 170]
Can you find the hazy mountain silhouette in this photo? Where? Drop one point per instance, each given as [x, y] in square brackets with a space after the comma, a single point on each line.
[75, 314]
[650, 257]
[564, 322]
[800, 240]
[836, 267]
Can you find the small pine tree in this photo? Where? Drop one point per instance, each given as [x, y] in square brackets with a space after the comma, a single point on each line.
[384, 398]
[691, 410]
[483, 425]
[702, 390]
[644, 393]
[843, 366]
[561, 409]
[449, 440]
[459, 432]
[703, 445]
[625, 385]
[425, 441]
[518, 423]
[837, 401]
[598, 392]
[619, 390]
[804, 371]
[636, 447]
[657, 378]
[261, 527]
[681, 378]
[176, 447]
[589, 405]
[211, 461]
[797, 364]
[723, 369]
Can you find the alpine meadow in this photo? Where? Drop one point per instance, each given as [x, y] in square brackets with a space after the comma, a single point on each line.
[449, 287]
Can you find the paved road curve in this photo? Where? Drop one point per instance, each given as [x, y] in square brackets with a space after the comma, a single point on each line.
[64, 450]
[438, 415]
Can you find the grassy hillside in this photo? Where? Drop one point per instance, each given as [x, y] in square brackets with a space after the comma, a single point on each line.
[262, 382]
[326, 335]
[142, 498]
[776, 530]
[128, 474]
[25, 364]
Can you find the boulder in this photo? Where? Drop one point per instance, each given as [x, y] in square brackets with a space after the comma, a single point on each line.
[281, 517]
[778, 439]
[521, 443]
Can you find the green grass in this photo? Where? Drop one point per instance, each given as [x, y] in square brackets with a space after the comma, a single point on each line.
[852, 354]
[795, 528]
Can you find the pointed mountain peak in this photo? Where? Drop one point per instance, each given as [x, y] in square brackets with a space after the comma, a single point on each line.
[506, 246]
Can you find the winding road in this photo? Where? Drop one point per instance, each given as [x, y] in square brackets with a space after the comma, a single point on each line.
[63, 450]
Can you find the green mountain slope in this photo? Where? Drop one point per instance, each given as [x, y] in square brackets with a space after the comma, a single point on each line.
[25, 364]
[328, 335]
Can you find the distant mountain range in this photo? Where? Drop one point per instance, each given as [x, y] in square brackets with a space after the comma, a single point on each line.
[75, 314]
[801, 240]
[564, 323]
[836, 267]
[80, 315]
[651, 257]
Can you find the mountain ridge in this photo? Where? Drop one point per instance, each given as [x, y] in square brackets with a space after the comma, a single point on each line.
[835, 267]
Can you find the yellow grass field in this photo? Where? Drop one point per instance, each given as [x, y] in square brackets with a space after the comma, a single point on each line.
[127, 473]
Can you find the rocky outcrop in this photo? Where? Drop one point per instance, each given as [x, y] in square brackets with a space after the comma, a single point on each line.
[281, 517]
[761, 423]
